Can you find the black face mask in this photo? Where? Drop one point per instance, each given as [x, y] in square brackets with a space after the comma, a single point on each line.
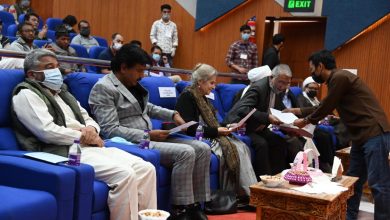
[312, 93]
[85, 32]
[316, 78]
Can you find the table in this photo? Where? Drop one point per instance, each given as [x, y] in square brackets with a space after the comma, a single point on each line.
[283, 203]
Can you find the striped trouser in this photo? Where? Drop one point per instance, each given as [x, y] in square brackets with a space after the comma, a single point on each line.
[190, 163]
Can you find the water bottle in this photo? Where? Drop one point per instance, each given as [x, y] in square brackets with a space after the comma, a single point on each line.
[242, 130]
[144, 142]
[75, 154]
[199, 133]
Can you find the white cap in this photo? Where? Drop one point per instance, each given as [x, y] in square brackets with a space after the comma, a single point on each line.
[258, 73]
[307, 81]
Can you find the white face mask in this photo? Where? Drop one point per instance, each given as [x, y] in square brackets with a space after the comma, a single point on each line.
[117, 46]
[53, 79]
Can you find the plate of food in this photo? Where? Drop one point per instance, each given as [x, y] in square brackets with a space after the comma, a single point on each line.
[153, 214]
[271, 181]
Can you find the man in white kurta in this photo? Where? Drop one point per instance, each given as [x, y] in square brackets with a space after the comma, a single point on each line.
[132, 181]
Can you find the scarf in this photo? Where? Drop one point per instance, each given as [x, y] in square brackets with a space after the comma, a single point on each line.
[229, 150]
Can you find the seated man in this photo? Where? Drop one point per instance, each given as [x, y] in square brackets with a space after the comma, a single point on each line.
[121, 107]
[84, 38]
[109, 53]
[23, 43]
[48, 118]
[61, 47]
[273, 152]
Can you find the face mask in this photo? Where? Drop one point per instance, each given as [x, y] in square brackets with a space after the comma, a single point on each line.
[53, 79]
[85, 32]
[68, 27]
[312, 93]
[25, 3]
[245, 37]
[117, 46]
[316, 78]
[156, 57]
[166, 17]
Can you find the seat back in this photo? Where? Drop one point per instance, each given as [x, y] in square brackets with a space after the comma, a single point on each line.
[11, 30]
[94, 54]
[12, 39]
[227, 91]
[41, 43]
[154, 85]
[52, 23]
[296, 90]
[8, 19]
[102, 41]
[180, 86]
[80, 85]
[80, 50]
[8, 80]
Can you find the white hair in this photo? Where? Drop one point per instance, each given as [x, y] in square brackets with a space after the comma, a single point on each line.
[202, 72]
[281, 69]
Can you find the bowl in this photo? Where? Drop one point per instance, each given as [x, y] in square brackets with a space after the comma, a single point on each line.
[153, 214]
[271, 181]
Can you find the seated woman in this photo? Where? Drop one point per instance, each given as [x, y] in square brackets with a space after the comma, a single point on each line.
[236, 171]
[160, 60]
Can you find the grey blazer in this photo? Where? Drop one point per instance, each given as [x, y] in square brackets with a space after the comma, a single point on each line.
[118, 113]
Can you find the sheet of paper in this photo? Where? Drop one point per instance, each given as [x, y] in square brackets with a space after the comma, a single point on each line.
[181, 127]
[167, 92]
[240, 123]
[336, 166]
[210, 96]
[306, 131]
[286, 118]
[51, 158]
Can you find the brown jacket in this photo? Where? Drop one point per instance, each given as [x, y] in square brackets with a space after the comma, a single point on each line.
[357, 106]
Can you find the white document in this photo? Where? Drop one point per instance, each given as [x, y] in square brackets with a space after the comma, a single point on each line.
[306, 131]
[181, 127]
[337, 168]
[286, 118]
[240, 123]
[210, 96]
[51, 158]
[167, 92]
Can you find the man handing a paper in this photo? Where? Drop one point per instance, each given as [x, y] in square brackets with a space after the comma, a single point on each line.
[273, 151]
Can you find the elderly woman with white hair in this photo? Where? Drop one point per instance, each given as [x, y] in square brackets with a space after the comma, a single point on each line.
[236, 171]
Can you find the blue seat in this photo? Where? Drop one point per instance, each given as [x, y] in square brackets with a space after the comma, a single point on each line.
[180, 86]
[21, 20]
[52, 23]
[41, 43]
[102, 41]
[12, 30]
[80, 50]
[51, 35]
[296, 90]
[12, 39]
[94, 54]
[152, 84]
[227, 91]
[32, 189]
[8, 19]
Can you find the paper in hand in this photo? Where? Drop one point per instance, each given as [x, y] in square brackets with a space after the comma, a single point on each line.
[240, 123]
[181, 127]
[47, 157]
[286, 118]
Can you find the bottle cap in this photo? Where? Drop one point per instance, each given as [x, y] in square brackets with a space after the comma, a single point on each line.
[76, 141]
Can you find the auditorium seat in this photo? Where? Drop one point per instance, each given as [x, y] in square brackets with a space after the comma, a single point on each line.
[52, 23]
[80, 50]
[102, 41]
[41, 43]
[11, 30]
[8, 19]
[94, 54]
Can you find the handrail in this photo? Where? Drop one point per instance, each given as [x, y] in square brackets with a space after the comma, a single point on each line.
[106, 63]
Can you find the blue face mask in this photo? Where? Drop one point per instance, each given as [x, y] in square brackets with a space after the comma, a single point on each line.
[245, 36]
[53, 79]
[156, 57]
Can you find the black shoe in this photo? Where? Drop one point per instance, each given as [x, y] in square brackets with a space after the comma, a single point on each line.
[242, 202]
[197, 213]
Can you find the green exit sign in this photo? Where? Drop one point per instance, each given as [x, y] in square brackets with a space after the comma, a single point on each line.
[299, 5]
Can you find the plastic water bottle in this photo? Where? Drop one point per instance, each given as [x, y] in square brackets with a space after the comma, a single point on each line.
[242, 130]
[74, 155]
[199, 132]
[144, 142]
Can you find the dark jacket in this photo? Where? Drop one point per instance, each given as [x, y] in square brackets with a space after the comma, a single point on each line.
[271, 57]
[257, 96]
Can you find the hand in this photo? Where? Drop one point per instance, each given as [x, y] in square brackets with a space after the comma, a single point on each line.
[48, 47]
[232, 125]
[223, 131]
[178, 119]
[295, 111]
[173, 51]
[242, 70]
[90, 137]
[300, 123]
[274, 120]
[158, 135]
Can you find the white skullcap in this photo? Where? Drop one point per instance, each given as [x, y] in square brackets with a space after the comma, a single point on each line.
[307, 81]
[258, 73]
